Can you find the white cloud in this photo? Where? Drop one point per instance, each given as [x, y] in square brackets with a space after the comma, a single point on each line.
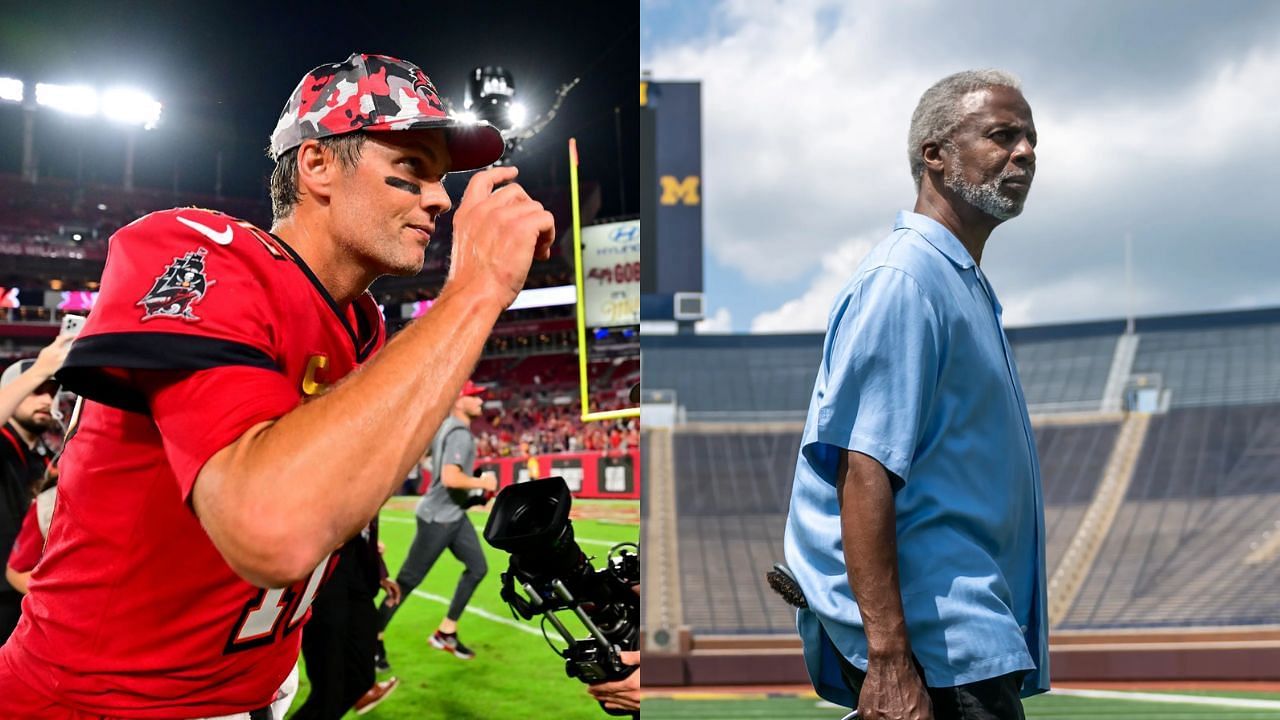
[804, 144]
[795, 123]
[809, 311]
[719, 322]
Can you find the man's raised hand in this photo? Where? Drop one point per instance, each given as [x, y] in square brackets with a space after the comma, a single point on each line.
[497, 233]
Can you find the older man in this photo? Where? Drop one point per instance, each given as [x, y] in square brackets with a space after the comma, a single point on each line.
[916, 527]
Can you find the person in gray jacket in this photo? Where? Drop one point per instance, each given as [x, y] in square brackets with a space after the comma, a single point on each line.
[443, 523]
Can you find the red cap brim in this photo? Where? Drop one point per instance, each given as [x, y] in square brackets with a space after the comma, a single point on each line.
[471, 145]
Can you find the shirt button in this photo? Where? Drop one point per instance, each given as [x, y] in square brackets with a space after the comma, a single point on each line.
[1023, 628]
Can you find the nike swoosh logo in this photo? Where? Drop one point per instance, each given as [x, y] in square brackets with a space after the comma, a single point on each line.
[222, 238]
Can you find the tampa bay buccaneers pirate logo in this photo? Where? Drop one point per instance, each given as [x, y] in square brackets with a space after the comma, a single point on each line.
[181, 285]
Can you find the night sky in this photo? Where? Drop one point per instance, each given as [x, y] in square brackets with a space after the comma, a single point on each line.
[224, 70]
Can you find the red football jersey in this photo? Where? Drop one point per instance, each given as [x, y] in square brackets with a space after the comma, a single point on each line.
[132, 609]
[29, 543]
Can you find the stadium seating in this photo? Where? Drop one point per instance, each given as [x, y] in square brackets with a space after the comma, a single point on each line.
[735, 377]
[1216, 366]
[1204, 500]
[732, 499]
[1195, 539]
[1071, 461]
[1064, 374]
[732, 493]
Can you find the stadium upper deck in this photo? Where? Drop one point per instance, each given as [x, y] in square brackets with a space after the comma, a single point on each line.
[1225, 358]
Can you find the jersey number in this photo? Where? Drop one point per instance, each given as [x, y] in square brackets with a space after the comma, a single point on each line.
[260, 622]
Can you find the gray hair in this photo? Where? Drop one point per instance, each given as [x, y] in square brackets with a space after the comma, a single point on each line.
[941, 109]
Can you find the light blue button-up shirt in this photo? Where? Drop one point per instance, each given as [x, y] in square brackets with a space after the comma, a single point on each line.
[917, 373]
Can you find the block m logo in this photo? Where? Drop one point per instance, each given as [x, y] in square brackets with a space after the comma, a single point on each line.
[680, 191]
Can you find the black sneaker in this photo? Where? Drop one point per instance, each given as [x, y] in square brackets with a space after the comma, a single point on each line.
[451, 644]
[380, 663]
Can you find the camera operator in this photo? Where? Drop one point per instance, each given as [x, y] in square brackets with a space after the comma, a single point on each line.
[621, 694]
[531, 522]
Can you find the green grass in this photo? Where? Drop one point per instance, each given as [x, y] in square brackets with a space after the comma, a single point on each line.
[1044, 706]
[514, 675]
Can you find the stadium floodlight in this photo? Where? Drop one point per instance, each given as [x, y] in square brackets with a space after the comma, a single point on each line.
[71, 99]
[518, 115]
[489, 94]
[10, 89]
[130, 106]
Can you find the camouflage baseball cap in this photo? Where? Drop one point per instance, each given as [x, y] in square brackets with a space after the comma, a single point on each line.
[376, 92]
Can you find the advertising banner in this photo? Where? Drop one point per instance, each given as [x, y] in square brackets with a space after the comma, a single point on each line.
[611, 274]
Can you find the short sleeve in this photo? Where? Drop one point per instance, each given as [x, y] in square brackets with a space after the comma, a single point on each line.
[457, 448]
[880, 369]
[203, 412]
[182, 289]
[29, 545]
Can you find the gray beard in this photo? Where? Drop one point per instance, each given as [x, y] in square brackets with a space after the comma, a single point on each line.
[985, 197]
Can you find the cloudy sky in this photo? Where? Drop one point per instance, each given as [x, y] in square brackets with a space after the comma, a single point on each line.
[1157, 119]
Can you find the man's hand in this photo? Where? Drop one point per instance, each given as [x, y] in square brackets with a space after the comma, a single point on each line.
[50, 359]
[497, 234]
[393, 591]
[893, 690]
[491, 480]
[621, 694]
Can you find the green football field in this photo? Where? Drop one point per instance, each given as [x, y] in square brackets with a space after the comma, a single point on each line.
[514, 674]
[1117, 706]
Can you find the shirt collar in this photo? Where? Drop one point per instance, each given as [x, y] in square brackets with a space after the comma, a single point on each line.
[937, 235]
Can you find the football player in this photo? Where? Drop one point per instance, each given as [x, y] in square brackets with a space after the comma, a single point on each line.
[237, 426]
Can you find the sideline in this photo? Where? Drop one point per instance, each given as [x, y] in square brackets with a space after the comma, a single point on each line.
[471, 610]
[1254, 703]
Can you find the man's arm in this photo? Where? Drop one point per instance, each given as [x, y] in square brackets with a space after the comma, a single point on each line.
[20, 581]
[286, 493]
[893, 688]
[48, 362]
[453, 478]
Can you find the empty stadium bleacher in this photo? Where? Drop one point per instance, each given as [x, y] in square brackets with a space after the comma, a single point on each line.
[1218, 366]
[1064, 374]
[1205, 495]
[732, 492]
[1071, 461]
[735, 377]
[1194, 542]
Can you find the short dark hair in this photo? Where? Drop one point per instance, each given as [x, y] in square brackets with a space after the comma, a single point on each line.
[284, 178]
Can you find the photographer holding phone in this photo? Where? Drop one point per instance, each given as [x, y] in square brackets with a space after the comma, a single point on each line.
[26, 401]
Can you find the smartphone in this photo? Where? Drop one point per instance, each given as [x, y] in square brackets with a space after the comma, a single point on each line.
[71, 324]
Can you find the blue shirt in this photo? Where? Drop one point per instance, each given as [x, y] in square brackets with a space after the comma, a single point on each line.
[917, 373]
